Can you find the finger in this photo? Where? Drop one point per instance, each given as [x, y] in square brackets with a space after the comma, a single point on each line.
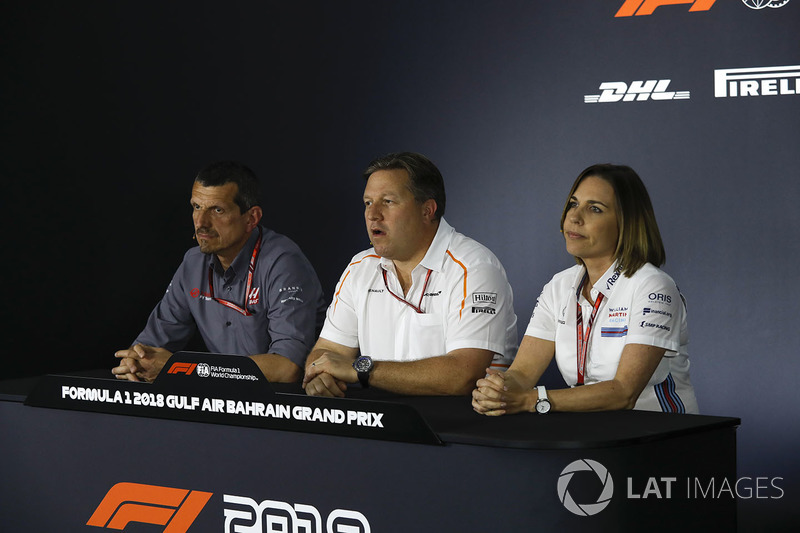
[485, 385]
[498, 380]
[311, 372]
[317, 388]
[489, 404]
[488, 392]
[123, 353]
[139, 350]
[332, 385]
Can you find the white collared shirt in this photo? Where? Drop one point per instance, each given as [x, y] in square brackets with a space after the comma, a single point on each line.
[646, 308]
[467, 303]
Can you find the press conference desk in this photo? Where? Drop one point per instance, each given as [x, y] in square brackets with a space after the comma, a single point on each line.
[485, 474]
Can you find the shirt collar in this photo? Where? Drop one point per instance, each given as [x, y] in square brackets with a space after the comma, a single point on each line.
[434, 257]
[242, 261]
[605, 284]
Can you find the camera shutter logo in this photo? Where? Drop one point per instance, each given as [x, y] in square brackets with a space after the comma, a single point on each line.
[585, 509]
[761, 4]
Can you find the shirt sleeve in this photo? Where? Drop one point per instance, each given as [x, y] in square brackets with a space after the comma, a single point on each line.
[481, 311]
[657, 313]
[543, 319]
[296, 304]
[170, 324]
[341, 319]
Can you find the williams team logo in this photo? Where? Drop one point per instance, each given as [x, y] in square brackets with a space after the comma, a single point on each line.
[639, 91]
[585, 509]
[124, 503]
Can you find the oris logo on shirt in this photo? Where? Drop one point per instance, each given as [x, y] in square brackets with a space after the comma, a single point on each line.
[658, 297]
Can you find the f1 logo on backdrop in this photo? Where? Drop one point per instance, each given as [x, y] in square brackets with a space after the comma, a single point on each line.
[646, 7]
[616, 91]
[124, 503]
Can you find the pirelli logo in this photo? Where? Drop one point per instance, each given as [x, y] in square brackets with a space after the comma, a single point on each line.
[757, 81]
[176, 509]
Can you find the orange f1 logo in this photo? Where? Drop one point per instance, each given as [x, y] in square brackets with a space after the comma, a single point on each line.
[646, 7]
[181, 368]
[131, 502]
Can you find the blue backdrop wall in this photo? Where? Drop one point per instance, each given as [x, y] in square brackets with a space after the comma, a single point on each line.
[109, 109]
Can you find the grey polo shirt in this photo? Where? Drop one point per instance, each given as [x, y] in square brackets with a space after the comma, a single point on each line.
[285, 300]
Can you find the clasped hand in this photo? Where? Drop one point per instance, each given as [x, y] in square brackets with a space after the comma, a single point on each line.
[140, 362]
[495, 395]
[329, 375]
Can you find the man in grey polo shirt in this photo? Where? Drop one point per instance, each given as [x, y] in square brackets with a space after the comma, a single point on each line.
[246, 289]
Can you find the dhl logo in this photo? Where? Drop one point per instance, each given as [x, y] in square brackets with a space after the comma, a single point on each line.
[176, 509]
[646, 7]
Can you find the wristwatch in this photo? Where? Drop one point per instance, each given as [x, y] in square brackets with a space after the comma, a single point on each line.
[542, 404]
[363, 366]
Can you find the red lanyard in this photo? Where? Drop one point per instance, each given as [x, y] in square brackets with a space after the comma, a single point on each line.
[583, 339]
[243, 310]
[418, 307]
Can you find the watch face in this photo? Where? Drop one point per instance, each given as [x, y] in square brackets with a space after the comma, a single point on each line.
[543, 406]
[363, 364]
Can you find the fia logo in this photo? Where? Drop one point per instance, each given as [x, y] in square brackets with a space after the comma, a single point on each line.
[640, 91]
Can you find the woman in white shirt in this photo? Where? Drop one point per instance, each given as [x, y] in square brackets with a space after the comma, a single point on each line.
[615, 323]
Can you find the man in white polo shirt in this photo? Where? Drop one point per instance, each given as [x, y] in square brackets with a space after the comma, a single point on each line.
[426, 310]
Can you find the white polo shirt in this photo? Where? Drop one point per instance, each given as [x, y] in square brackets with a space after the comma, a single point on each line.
[646, 308]
[460, 287]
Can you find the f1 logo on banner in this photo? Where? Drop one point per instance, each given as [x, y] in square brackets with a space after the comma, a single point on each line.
[181, 368]
[150, 504]
[646, 7]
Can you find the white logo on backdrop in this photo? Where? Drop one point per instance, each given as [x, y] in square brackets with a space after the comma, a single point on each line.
[757, 81]
[640, 91]
[761, 4]
[585, 509]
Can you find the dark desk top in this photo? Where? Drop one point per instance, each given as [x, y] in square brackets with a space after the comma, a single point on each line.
[454, 421]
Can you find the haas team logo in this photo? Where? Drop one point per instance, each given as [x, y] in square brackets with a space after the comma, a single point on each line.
[253, 297]
[124, 503]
